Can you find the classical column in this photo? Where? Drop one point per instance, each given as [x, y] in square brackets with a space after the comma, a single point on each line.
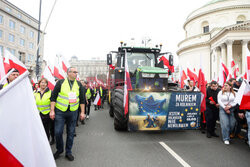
[223, 53]
[216, 61]
[243, 59]
[229, 52]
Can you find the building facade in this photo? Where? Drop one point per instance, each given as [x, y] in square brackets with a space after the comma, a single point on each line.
[90, 68]
[218, 31]
[18, 34]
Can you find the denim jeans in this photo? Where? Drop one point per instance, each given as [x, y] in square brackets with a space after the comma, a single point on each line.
[248, 123]
[68, 118]
[227, 123]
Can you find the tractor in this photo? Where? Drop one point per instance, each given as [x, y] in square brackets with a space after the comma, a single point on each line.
[146, 74]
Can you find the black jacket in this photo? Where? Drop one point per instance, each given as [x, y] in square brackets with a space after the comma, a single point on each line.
[212, 93]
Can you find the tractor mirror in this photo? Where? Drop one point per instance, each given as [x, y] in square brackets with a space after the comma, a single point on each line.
[109, 59]
[171, 60]
[161, 65]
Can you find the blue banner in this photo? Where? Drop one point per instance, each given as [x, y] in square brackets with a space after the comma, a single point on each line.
[164, 110]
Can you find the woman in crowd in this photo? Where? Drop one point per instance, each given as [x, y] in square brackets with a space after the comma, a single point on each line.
[42, 97]
[226, 101]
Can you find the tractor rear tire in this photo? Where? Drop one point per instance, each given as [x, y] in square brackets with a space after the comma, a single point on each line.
[120, 120]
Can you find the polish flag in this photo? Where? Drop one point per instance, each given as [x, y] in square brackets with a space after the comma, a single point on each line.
[166, 63]
[183, 77]
[23, 142]
[223, 73]
[236, 71]
[65, 64]
[192, 75]
[51, 80]
[127, 85]
[243, 96]
[97, 100]
[232, 64]
[12, 62]
[248, 65]
[202, 88]
[58, 72]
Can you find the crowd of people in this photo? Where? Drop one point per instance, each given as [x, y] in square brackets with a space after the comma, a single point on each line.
[68, 103]
[221, 106]
[71, 99]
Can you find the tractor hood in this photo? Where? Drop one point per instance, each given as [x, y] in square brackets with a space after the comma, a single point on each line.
[154, 70]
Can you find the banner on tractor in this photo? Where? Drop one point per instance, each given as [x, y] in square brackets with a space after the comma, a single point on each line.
[163, 110]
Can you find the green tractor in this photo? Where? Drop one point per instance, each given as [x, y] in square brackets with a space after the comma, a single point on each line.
[146, 73]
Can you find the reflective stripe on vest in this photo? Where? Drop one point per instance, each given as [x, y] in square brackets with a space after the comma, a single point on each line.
[5, 85]
[43, 104]
[101, 90]
[62, 101]
[88, 94]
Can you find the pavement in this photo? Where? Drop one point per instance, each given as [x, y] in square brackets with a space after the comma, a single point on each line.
[97, 144]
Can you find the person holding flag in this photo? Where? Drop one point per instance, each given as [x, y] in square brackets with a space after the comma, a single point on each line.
[11, 77]
[66, 97]
[42, 97]
[212, 109]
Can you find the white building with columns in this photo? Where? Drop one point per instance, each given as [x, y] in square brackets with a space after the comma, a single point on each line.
[218, 31]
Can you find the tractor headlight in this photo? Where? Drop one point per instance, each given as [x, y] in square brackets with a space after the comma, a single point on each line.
[163, 75]
[163, 88]
[147, 88]
[147, 75]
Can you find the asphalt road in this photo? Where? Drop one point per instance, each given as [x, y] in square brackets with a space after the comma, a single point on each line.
[98, 145]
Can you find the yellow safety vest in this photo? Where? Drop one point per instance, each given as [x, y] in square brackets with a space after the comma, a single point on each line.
[5, 85]
[43, 104]
[88, 93]
[62, 101]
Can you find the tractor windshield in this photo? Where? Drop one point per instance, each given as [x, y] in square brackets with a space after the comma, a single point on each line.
[136, 60]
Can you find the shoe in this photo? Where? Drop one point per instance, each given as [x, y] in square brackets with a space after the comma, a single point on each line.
[208, 135]
[57, 154]
[70, 157]
[77, 125]
[74, 134]
[232, 136]
[214, 134]
[52, 142]
[203, 131]
[82, 122]
[87, 117]
[226, 142]
[240, 137]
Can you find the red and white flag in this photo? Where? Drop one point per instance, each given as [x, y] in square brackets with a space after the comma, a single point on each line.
[166, 62]
[64, 64]
[236, 71]
[183, 77]
[23, 142]
[12, 61]
[192, 75]
[51, 80]
[223, 73]
[97, 100]
[243, 96]
[127, 85]
[58, 72]
[34, 80]
[248, 65]
[202, 88]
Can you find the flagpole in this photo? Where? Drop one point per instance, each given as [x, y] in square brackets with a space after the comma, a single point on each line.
[7, 75]
[38, 41]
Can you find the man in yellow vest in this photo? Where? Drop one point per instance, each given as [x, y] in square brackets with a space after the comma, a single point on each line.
[66, 97]
[11, 77]
[88, 98]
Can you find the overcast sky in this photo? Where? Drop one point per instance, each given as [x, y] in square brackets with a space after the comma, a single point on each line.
[92, 28]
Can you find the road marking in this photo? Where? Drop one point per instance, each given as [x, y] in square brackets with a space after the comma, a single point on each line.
[176, 156]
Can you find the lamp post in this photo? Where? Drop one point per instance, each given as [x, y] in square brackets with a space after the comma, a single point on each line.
[38, 39]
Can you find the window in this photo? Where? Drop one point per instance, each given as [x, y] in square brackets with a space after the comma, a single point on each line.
[12, 24]
[22, 42]
[7, 9]
[31, 34]
[22, 29]
[31, 45]
[240, 19]
[11, 38]
[1, 19]
[12, 51]
[29, 58]
[205, 27]
[1, 33]
[19, 15]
